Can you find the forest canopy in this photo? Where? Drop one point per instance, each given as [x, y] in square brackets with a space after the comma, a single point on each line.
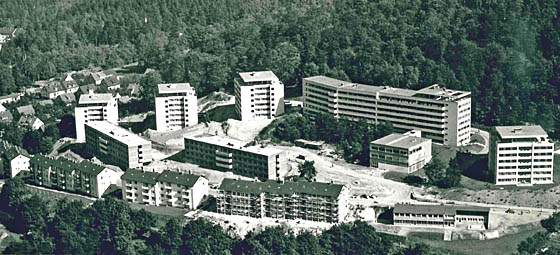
[505, 52]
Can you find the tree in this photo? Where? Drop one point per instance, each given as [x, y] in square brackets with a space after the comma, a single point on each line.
[308, 244]
[32, 141]
[67, 126]
[307, 170]
[552, 224]
[435, 170]
[13, 194]
[203, 237]
[171, 237]
[110, 226]
[143, 221]
[452, 174]
[149, 87]
[7, 82]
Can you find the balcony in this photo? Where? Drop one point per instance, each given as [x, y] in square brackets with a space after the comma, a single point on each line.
[224, 160]
[218, 164]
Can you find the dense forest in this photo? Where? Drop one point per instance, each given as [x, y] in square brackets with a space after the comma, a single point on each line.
[505, 52]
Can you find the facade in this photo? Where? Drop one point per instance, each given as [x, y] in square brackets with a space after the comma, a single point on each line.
[441, 216]
[442, 115]
[84, 177]
[6, 117]
[164, 189]
[14, 97]
[314, 201]
[111, 83]
[258, 95]
[520, 155]
[15, 158]
[404, 153]
[116, 145]
[94, 107]
[56, 88]
[228, 155]
[6, 34]
[31, 121]
[176, 107]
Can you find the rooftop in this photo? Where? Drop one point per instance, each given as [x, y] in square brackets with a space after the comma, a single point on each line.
[2, 108]
[68, 98]
[140, 176]
[520, 131]
[258, 76]
[436, 209]
[96, 98]
[27, 120]
[166, 88]
[13, 95]
[178, 178]
[6, 116]
[233, 144]
[287, 188]
[401, 141]
[85, 166]
[26, 110]
[120, 134]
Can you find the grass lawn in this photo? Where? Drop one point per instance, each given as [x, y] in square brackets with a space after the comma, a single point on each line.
[443, 153]
[426, 235]
[55, 195]
[504, 245]
[222, 113]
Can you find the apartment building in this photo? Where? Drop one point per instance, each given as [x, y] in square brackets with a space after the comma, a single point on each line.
[83, 177]
[258, 95]
[117, 146]
[94, 107]
[405, 153]
[441, 216]
[56, 88]
[164, 189]
[314, 201]
[15, 158]
[176, 107]
[231, 155]
[442, 115]
[520, 155]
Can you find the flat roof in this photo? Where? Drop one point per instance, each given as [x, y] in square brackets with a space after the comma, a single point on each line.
[287, 188]
[401, 141]
[233, 144]
[166, 88]
[436, 209]
[95, 98]
[258, 76]
[120, 134]
[140, 176]
[520, 131]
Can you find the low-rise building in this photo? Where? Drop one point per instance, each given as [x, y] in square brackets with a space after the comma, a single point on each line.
[314, 201]
[116, 145]
[6, 117]
[227, 154]
[164, 189]
[406, 153]
[32, 122]
[521, 155]
[68, 98]
[26, 110]
[176, 107]
[15, 158]
[56, 88]
[111, 83]
[258, 95]
[441, 216]
[14, 97]
[94, 107]
[83, 177]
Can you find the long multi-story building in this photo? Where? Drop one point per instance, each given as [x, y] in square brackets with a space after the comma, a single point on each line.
[84, 177]
[116, 145]
[442, 115]
[227, 154]
[94, 107]
[520, 155]
[404, 153]
[164, 189]
[441, 216]
[258, 95]
[314, 201]
[176, 107]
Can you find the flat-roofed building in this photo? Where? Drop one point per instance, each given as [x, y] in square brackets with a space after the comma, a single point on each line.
[94, 107]
[83, 177]
[227, 155]
[176, 107]
[258, 95]
[314, 201]
[520, 155]
[405, 153]
[116, 145]
[442, 115]
[164, 189]
[441, 216]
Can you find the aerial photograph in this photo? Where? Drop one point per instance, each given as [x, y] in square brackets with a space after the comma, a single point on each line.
[280, 127]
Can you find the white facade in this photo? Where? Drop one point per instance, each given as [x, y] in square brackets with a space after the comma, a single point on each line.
[442, 115]
[521, 155]
[94, 107]
[406, 153]
[18, 164]
[176, 107]
[258, 95]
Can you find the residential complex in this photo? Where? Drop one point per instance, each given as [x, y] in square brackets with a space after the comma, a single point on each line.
[314, 201]
[116, 145]
[404, 153]
[442, 115]
[520, 155]
[441, 216]
[176, 107]
[84, 177]
[227, 154]
[164, 189]
[94, 107]
[258, 95]
[56, 88]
